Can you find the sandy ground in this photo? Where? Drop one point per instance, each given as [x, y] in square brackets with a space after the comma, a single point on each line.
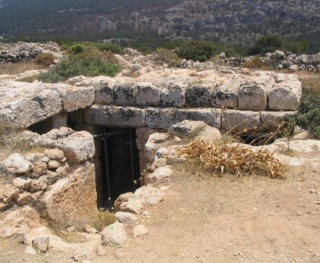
[227, 219]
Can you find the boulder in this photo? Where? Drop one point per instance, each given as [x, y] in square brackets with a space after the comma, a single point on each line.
[77, 147]
[149, 195]
[294, 68]
[53, 164]
[187, 128]
[126, 217]
[147, 94]
[121, 199]
[72, 199]
[16, 164]
[210, 134]
[132, 205]
[114, 235]
[20, 183]
[160, 175]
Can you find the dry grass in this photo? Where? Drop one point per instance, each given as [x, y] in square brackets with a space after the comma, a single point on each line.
[19, 67]
[106, 218]
[29, 79]
[311, 80]
[233, 159]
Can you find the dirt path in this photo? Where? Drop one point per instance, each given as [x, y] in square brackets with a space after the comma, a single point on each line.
[251, 219]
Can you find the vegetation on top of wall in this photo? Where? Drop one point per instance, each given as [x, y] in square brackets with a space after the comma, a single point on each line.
[89, 62]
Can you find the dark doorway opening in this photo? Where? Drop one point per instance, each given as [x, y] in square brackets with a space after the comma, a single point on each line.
[119, 164]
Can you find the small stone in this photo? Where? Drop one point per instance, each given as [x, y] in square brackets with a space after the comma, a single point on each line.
[41, 244]
[30, 251]
[140, 230]
[71, 229]
[7, 193]
[45, 159]
[23, 199]
[22, 184]
[54, 154]
[52, 165]
[90, 229]
[133, 205]
[101, 251]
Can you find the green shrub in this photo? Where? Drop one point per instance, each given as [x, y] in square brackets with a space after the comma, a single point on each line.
[77, 48]
[114, 48]
[268, 43]
[45, 59]
[167, 56]
[295, 47]
[91, 62]
[197, 50]
[308, 115]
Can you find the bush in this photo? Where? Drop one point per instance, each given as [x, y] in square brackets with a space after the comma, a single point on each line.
[77, 48]
[114, 48]
[268, 43]
[197, 50]
[256, 62]
[167, 56]
[45, 59]
[91, 62]
[308, 115]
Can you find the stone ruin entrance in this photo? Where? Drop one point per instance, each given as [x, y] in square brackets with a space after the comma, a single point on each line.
[118, 171]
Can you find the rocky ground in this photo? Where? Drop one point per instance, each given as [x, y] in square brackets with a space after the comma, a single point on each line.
[227, 219]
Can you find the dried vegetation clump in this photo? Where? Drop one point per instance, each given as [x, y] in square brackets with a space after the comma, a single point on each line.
[233, 159]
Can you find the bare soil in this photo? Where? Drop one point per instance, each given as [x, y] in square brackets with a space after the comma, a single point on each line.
[219, 219]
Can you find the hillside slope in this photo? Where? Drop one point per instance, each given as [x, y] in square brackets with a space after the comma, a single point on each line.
[233, 21]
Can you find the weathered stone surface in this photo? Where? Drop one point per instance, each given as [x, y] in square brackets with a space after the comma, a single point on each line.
[252, 97]
[8, 193]
[140, 230]
[20, 183]
[53, 164]
[286, 96]
[173, 96]
[241, 122]
[104, 96]
[77, 147]
[24, 104]
[54, 154]
[41, 244]
[124, 94]
[147, 94]
[160, 175]
[133, 205]
[115, 116]
[149, 195]
[210, 134]
[96, 82]
[126, 217]
[38, 184]
[72, 200]
[159, 118]
[114, 235]
[187, 128]
[226, 95]
[121, 199]
[30, 250]
[198, 96]
[16, 164]
[24, 199]
[75, 98]
[271, 121]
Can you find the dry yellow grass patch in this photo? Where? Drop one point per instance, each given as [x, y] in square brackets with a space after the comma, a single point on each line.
[233, 159]
[19, 67]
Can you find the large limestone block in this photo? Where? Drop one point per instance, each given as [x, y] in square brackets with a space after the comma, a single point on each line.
[240, 122]
[199, 96]
[212, 117]
[226, 95]
[77, 147]
[252, 97]
[24, 104]
[124, 94]
[104, 96]
[72, 200]
[173, 96]
[271, 120]
[75, 98]
[285, 96]
[147, 94]
[159, 118]
[114, 235]
[115, 116]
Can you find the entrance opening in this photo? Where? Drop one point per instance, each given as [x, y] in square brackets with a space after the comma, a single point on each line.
[119, 159]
